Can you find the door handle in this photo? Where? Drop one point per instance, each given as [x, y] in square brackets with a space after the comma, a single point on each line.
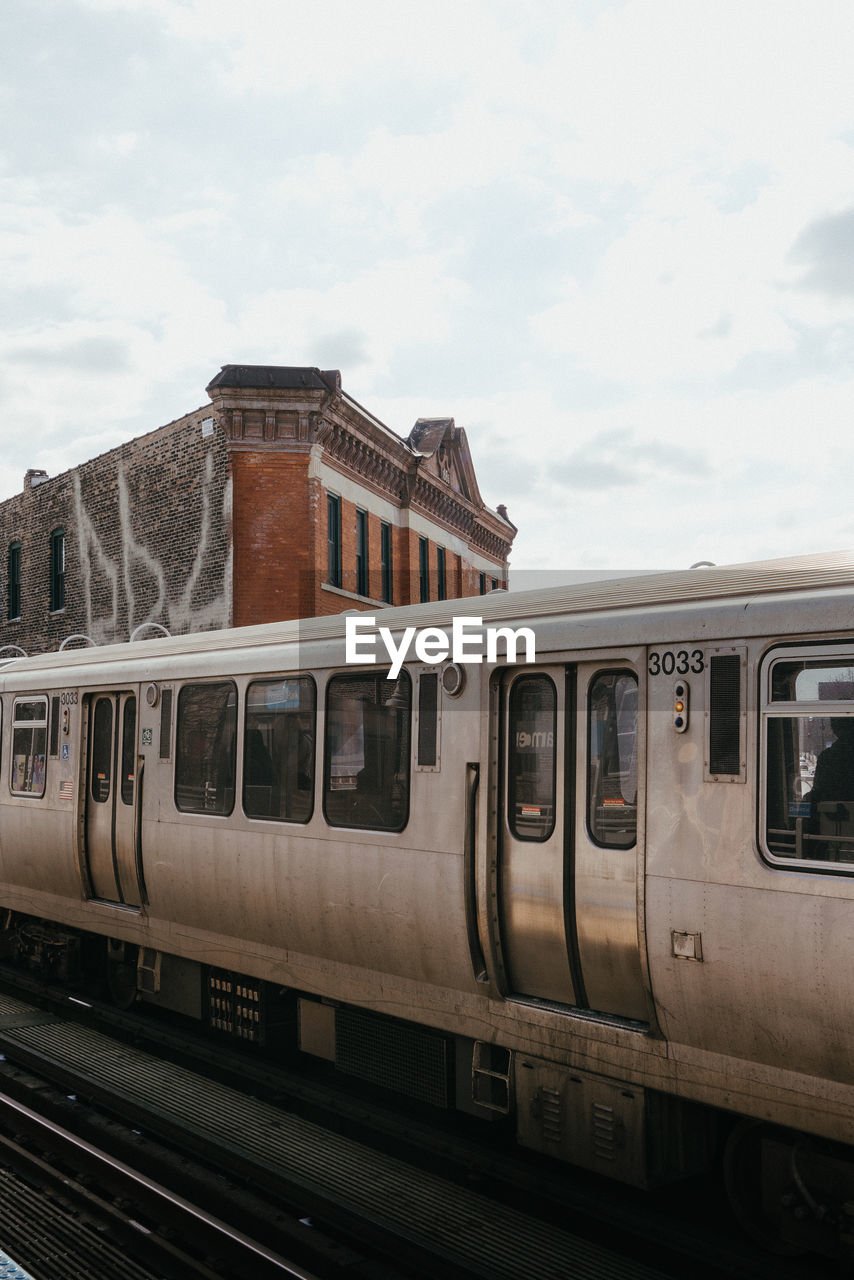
[137, 828]
[478, 960]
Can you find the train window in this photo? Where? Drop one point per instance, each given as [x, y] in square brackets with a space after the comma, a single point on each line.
[278, 749]
[29, 744]
[816, 680]
[809, 761]
[128, 750]
[366, 769]
[612, 760]
[205, 751]
[102, 750]
[531, 741]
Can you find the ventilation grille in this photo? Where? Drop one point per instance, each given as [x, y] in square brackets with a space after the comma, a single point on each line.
[551, 1111]
[54, 733]
[606, 1131]
[235, 1004]
[394, 1055]
[725, 715]
[165, 724]
[428, 704]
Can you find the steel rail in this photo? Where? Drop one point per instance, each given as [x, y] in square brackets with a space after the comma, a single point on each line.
[168, 1205]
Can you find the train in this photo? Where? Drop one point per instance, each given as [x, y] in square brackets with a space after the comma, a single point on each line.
[589, 877]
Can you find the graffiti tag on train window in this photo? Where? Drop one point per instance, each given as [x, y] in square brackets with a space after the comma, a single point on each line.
[678, 662]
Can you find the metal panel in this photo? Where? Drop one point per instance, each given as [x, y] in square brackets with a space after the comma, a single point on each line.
[608, 880]
[533, 885]
[111, 800]
[725, 759]
[408, 1059]
[582, 1118]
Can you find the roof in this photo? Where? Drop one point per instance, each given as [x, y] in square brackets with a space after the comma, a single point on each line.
[646, 592]
[281, 377]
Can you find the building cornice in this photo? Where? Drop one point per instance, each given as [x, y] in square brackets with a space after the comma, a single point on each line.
[273, 417]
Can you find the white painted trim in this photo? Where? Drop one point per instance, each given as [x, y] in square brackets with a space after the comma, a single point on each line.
[401, 517]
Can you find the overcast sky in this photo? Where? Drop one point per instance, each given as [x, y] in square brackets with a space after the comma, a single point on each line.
[614, 239]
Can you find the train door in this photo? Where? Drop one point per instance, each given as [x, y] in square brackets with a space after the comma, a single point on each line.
[112, 798]
[569, 837]
[537, 937]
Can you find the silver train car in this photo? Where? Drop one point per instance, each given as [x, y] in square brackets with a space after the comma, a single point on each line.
[601, 886]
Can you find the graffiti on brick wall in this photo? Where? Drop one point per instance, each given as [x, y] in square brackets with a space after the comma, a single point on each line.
[128, 585]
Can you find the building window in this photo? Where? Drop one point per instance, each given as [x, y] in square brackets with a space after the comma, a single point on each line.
[333, 540]
[385, 562]
[361, 552]
[483, 584]
[423, 569]
[14, 580]
[494, 584]
[441, 580]
[57, 570]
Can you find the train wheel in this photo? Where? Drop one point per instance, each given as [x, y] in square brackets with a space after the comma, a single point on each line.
[743, 1178]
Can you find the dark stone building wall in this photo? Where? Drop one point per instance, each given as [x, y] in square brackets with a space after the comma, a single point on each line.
[147, 539]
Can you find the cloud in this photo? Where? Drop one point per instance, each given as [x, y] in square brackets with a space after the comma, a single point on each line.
[341, 349]
[826, 249]
[612, 239]
[616, 458]
[410, 300]
[94, 354]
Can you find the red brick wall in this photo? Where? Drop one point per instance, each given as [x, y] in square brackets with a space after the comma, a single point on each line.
[280, 547]
[274, 530]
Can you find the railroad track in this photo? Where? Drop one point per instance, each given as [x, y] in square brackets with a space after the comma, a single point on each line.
[394, 1218]
[70, 1211]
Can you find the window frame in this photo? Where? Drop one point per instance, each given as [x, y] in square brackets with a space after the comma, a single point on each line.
[127, 755]
[302, 678]
[441, 575]
[386, 579]
[102, 748]
[602, 673]
[511, 816]
[362, 581]
[333, 540]
[57, 570]
[183, 691]
[13, 581]
[424, 569]
[29, 793]
[840, 654]
[378, 679]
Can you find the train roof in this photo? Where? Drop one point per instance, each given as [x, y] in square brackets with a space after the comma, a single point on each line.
[646, 592]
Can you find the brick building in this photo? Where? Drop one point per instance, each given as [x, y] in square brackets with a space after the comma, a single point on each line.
[282, 497]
